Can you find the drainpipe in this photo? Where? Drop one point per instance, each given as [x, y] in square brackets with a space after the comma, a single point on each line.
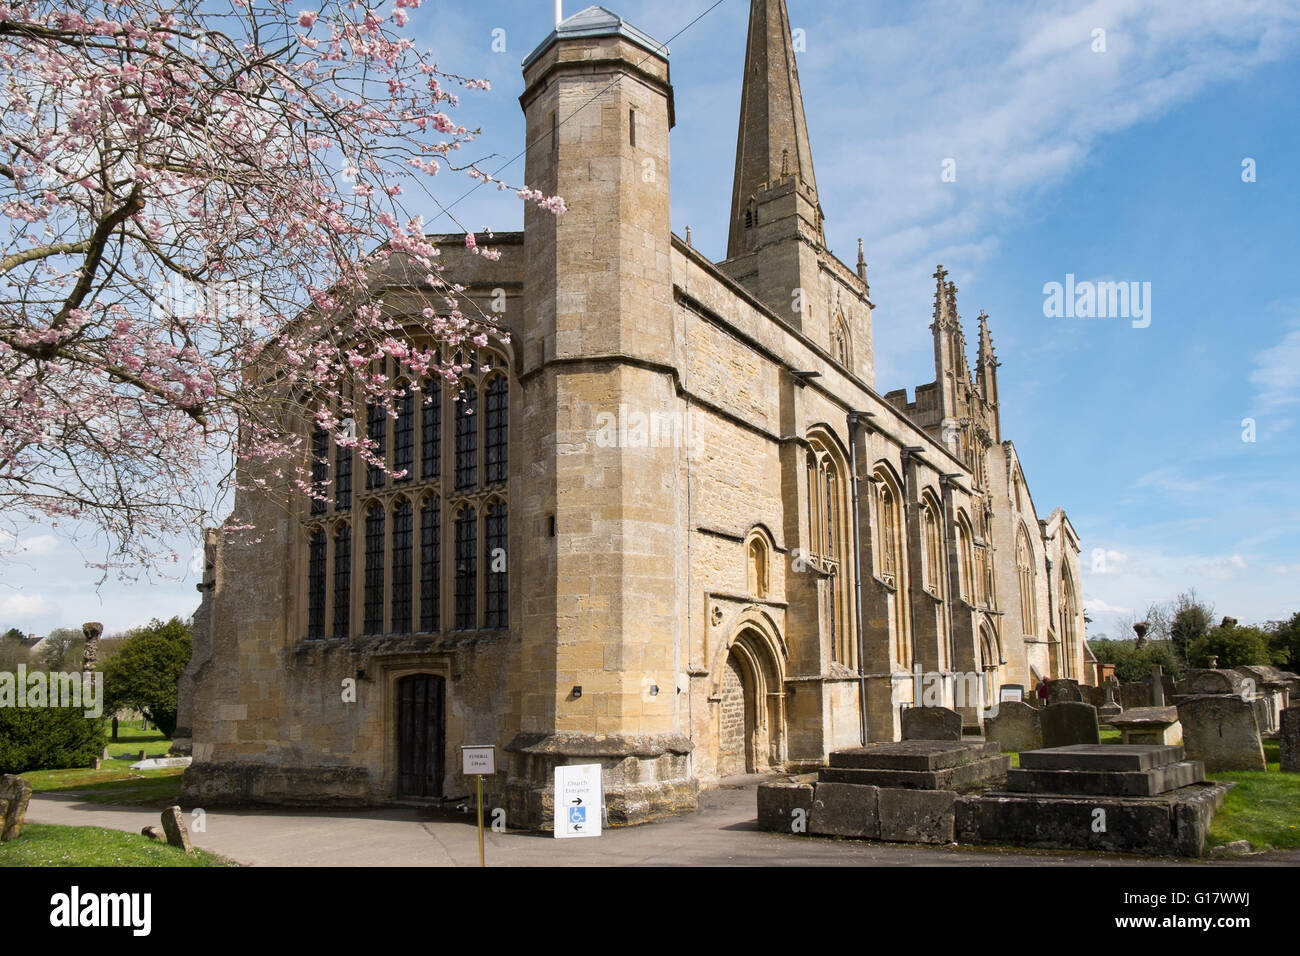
[1051, 614]
[945, 483]
[908, 453]
[854, 418]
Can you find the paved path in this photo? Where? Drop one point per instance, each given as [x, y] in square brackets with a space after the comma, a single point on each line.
[723, 833]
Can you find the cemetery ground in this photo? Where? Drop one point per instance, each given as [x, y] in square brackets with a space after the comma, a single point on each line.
[1262, 808]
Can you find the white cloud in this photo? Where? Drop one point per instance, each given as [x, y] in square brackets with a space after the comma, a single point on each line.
[1276, 375]
[23, 606]
[1221, 568]
[1096, 605]
[42, 544]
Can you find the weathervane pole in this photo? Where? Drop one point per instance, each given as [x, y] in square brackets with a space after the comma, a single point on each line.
[559, 12]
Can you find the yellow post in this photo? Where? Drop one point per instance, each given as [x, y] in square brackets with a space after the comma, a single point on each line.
[479, 778]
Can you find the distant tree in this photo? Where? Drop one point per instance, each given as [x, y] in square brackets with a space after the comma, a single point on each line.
[12, 650]
[143, 672]
[62, 649]
[1231, 645]
[1284, 641]
[1133, 663]
[1190, 620]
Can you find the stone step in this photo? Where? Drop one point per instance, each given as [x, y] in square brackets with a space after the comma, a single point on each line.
[917, 755]
[1102, 757]
[947, 778]
[1115, 783]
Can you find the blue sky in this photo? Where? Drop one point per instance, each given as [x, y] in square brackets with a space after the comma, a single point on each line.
[1122, 164]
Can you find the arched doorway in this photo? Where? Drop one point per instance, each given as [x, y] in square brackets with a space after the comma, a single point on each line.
[420, 735]
[736, 725]
[750, 701]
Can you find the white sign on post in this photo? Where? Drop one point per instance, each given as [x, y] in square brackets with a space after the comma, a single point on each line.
[478, 760]
[579, 801]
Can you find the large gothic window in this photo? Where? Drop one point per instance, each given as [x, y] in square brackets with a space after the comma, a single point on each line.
[467, 439]
[933, 540]
[343, 580]
[430, 564]
[320, 466]
[466, 569]
[498, 606]
[377, 432]
[431, 430]
[408, 530]
[316, 585]
[401, 563]
[1025, 576]
[890, 562]
[965, 560]
[497, 429]
[404, 435]
[827, 540]
[374, 582]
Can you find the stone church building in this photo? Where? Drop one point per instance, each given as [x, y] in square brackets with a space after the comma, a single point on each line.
[671, 526]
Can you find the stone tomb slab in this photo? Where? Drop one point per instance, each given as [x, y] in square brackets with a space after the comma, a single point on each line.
[918, 764]
[1118, 758]
[1116, 783]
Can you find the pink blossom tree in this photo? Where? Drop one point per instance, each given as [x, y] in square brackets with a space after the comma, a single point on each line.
[193, 201]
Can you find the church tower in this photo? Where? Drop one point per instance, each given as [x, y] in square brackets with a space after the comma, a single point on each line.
[776, 246]
[601, 638]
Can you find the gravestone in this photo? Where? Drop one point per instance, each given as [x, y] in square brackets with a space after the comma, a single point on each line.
[1222, 730]
[15, 792]
[1062, 690]
[173, 824]
[1017, 726]
[1209, 681]
[1289, 740]
[1157, 686]
[1069, 723]
[931, 723]
[1135, 694]
[1110, 706]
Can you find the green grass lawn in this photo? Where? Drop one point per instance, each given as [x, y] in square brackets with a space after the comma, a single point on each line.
[117, 785]
[131, 740]
[45, 845]
[115, 782]
[1264, 807]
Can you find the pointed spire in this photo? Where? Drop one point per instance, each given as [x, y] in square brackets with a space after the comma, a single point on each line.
[862, 267]
[942, 317]
[986, 353]
[772, 142]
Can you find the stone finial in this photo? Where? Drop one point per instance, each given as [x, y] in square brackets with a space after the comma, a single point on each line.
[91, 630]
[688, 237]
[862, 264]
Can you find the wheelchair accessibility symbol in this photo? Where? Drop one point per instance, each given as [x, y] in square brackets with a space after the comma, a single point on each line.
[577, 814]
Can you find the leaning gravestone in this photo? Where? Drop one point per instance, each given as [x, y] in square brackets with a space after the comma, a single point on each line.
[1070, 722]
[174, 826]
[1062, 690]
[15, 792]
[931, 723]
[1289, 739]
[1017, 726]
[1222, 731]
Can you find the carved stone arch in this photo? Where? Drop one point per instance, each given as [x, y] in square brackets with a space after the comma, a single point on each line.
[759, 549]
[749, 676]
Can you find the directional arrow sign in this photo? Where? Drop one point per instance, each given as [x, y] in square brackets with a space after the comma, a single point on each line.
[578, 801]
